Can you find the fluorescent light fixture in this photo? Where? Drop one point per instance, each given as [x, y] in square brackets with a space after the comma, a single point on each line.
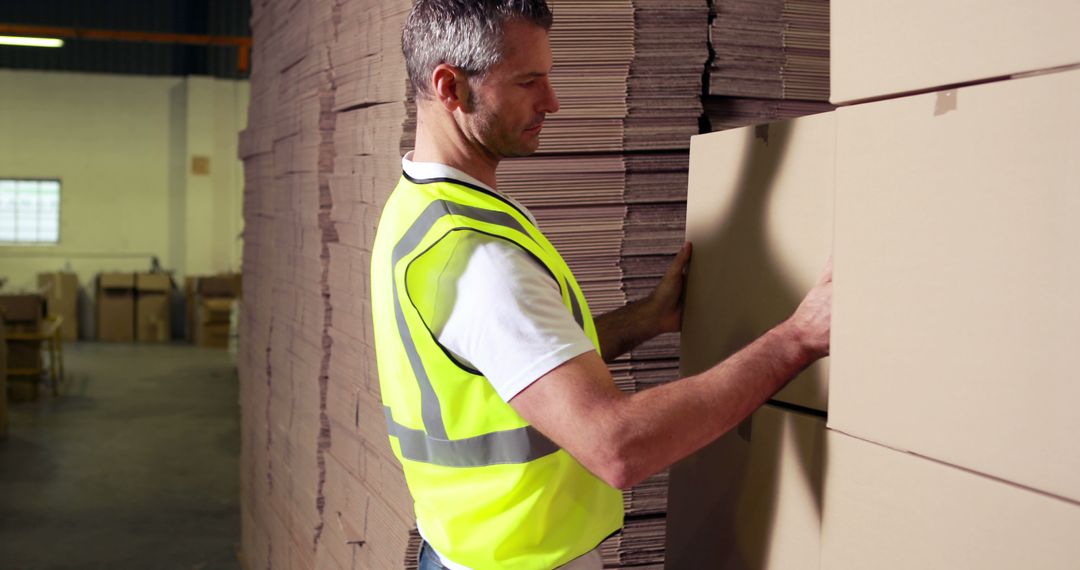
[31, 42]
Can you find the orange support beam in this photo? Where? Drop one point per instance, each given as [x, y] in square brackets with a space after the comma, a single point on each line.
[241, 42]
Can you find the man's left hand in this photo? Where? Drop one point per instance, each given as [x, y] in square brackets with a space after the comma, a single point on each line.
[666, 301]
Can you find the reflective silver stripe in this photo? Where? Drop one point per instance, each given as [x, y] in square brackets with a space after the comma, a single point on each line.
[575, 306]
[519, 445]
[430, 409]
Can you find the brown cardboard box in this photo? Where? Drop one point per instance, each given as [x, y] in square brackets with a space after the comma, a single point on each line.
[759, 213]
[196, 288]
[116, 307]
[152, 296]
[212, 322]
[880, 47]
[752, 499]
[23, 312]
[61, 290]
[889, 510]
[224, 285]
[956, 320]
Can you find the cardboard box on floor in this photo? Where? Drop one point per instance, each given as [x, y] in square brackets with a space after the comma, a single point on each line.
[759, 213]
[212, 322]
[956, 317]
[152, 305]
[226, 285]
[889, 510]
[881, 47]
[752, 500]
[116, 307]
[61, 290]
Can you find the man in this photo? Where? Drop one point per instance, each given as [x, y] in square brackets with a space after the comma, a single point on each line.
[513, 437]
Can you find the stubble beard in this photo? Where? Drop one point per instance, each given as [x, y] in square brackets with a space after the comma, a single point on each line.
[492, 136]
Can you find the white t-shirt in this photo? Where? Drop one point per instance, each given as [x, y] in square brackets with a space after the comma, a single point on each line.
[500, 312]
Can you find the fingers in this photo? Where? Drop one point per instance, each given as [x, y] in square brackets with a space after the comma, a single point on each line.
[826, 275]
[678, 266]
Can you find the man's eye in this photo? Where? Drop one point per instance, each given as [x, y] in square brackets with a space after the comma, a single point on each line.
[529, 83]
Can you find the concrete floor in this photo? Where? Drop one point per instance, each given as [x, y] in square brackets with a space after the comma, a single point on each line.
[134, 466]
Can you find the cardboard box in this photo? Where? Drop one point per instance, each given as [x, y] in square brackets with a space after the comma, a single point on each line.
[880, 48]
[152, 305]
[61, 290]
[955, 318]
[22, 312]
[225, 285]
[889, 510]
[759, 213]
[116, 307]
[752, 499]
[212, 322]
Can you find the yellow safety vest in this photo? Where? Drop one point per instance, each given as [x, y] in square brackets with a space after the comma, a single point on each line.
[489, 490]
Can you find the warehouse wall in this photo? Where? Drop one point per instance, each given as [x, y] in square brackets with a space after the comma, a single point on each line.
[122, 147]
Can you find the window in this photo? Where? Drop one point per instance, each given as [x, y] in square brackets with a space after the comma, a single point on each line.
[29, 211]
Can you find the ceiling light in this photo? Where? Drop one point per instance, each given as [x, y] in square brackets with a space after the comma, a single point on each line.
[32, 42]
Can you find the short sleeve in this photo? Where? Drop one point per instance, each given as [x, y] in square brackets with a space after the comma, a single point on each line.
[497, 310]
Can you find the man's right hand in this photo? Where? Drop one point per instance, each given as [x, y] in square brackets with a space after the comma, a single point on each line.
[811, 324]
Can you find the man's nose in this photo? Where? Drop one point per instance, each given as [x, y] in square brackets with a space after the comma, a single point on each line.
[550, 104]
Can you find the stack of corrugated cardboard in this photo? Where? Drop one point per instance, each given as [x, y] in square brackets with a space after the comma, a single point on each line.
[953, 214]
[770, 62]
[320, 486]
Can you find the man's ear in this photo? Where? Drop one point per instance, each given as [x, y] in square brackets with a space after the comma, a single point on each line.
[451, 87]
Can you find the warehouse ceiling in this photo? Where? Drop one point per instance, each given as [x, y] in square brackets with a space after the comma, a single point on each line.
[147, 37]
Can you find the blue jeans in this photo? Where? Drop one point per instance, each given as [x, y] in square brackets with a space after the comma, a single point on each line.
[428, 559]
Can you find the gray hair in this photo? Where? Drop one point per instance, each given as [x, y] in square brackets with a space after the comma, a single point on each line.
[466, 34]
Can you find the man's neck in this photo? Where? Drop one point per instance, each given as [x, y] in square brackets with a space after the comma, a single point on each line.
[443, 142]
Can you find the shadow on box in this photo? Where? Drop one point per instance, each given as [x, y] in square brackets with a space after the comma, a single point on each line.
[723, 516]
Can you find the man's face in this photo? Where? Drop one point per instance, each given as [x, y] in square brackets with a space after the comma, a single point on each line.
[509, 102]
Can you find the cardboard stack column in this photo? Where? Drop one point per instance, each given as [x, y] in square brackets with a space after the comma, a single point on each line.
[770, 61]
[329, 119]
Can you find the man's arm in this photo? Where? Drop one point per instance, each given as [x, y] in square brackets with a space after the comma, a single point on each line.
[625, 438]
[624, 328]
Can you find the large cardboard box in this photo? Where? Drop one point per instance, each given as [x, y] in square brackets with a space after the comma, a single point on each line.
[882, 47]
[212, 322]
[61, 290]
[889, 510]
[152, 306]
[23, 312]
[760, 216]
[752, 500]
[956, 317]
[226, 285]
[116, 307]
